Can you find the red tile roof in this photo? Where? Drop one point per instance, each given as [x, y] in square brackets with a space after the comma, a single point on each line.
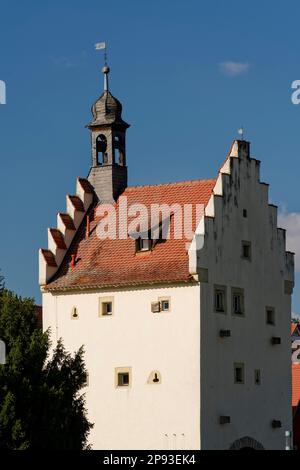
[101, 263]
[295, 384]
[293, 327]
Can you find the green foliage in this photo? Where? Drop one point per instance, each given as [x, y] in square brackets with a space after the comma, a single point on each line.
[41, 400]
[2, 283]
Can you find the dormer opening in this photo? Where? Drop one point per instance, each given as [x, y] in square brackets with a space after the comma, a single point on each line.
[143, 244]
[101, 150]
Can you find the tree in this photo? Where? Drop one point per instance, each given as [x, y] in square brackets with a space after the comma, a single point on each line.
[2, 283]
[41, 401]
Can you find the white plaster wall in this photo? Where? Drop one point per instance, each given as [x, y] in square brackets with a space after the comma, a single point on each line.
[251, 407]
[141, 416]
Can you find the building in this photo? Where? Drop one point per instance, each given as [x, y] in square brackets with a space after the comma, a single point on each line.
[296, 404]
[295, 337]
[187, 339]
[295, 332]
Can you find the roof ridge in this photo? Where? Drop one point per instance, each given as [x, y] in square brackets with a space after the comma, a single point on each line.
[177, 183]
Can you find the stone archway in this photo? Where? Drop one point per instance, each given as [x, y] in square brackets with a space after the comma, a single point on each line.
[246, 443]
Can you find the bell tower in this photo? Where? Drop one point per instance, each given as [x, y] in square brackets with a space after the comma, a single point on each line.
[108, 174]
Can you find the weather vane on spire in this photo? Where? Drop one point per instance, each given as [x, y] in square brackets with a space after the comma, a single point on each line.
[105, 69]
[102, 45]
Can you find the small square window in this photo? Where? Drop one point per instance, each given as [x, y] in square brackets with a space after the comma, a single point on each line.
[165, 304]
[106, 306]
[239, 373]
[257, 376]
[270, 315]
[245, 213]
[123, 377]
[238, 302]
[220, 299]
[246, 250]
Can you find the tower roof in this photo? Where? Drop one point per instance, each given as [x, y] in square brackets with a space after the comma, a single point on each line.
[107, 110]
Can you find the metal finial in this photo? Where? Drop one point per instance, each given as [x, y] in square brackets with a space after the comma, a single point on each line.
[105, 71]
[241, 132]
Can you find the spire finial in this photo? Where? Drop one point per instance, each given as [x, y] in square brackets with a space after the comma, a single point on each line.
[105, 69]
[241, 132]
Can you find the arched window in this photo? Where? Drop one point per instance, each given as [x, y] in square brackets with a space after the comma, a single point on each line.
[121, 157]
[101, 147]
[246, 443]
[119, 150]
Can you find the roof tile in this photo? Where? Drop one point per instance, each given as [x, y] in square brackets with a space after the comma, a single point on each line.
[115, 262]
[295, 384]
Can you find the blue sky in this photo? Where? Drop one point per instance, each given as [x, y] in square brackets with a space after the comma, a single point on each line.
[169, 67]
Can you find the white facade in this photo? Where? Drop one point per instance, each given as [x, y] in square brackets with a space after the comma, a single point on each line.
[196, 366]
[266, 279]
[143, 415]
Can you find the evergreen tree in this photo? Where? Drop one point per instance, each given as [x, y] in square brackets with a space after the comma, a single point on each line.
[2, 283]
[41, 401]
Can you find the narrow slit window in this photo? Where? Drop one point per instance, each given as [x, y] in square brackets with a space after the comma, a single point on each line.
[154, 378]
[220, 299]
[238, 302]
[270, 315]
[257, 376]
[239, 373]
[74, 313]
[246, 250]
